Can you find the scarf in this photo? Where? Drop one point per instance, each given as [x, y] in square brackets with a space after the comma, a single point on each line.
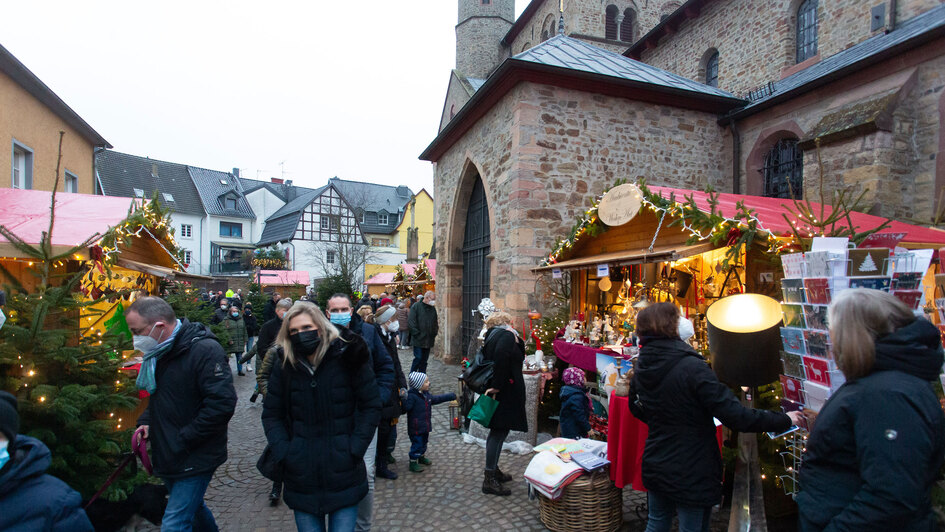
[146, 380]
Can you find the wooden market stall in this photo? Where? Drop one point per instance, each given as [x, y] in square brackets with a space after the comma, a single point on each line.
[409, 279]
[289, 283]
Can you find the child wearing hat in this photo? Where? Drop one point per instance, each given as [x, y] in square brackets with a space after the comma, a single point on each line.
[418, 403]
[574, 417]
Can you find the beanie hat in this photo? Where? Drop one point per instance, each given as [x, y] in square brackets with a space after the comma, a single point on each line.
[387, 301]
[416, 379]
[685, 329]
[384, 313]
[9, 418]
[574, 377]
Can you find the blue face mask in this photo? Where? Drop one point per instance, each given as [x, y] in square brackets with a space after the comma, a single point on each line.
[340, 318]
[4, 454]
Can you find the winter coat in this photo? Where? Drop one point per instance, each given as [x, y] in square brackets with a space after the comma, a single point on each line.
[273, 356]
[574, 418]
[393, 407]
[236, 328]
[192, 406]
[878, 444]
[419, 411]
[680, 395]
[508, 352]
[403, 316]
[269, 310]
[32, 501]
[252, 326]
[267, 335]
[382, 362]
[423, 325]
[219, 315]
[319, 423]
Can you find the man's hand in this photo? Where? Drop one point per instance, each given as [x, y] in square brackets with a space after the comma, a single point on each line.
[145, 431]
[796, 417]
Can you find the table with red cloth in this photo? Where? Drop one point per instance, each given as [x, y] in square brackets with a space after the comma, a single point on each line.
[582, 356]
[626, 438]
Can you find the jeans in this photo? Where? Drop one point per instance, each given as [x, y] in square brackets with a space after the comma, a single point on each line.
[662, 508]
[239, 365]
[366, 507]
[186, 510]
[494, 442]
[250, 342]
[418, 445]
[338, 521]
[404, 337]
[420, 357]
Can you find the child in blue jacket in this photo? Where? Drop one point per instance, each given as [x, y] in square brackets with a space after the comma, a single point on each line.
[576, 410]
[418, 405]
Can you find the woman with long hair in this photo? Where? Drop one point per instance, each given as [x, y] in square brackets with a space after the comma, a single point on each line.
[878, 444]
[320, 413]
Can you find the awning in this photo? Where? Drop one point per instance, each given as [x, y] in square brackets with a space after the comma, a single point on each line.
[635, 256]
[234, 245]
[283, 278]
[163, 272]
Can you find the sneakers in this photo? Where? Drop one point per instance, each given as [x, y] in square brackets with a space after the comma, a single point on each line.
[492, 486]
[416, 467]
[424, 460]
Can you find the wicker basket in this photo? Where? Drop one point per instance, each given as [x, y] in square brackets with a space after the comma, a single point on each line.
[590, 504]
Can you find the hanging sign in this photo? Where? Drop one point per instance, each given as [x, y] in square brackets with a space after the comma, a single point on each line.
[603, 270]
[620, 204]
[556, 273]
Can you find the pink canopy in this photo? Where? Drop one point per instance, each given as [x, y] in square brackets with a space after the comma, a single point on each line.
[283, 278]
[409, 269]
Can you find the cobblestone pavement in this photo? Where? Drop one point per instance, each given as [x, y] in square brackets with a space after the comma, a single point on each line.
[447, 496]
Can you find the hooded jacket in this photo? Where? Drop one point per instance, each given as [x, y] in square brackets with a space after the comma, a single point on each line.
[878, 444]
[31, 500]
[678, 397]
[319, 422]
[380, 359]
[575, 413]
[236, 328]
[419, 412]
[194, 401]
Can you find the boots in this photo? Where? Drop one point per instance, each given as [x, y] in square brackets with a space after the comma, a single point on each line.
[384, 472]
[491, 485]
[502, 477]
[416, 467]
[424, 460]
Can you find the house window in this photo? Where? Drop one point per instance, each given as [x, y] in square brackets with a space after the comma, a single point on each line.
[712, 70]
[187, 257]
[380, 242]
[784, 171]
[229, 203]
[329, 257]
[328, 222]
[139, 193]
[626, 26]
[168, 198]
[186, 231]
[382, 219]
[806, 30]
[610, 22]
[22, 167]
[361, 216]
[72, 183]
[231, 229]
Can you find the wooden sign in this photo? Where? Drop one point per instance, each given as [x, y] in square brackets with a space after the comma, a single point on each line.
[620, 205]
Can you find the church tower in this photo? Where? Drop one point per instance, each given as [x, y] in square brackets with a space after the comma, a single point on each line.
[481, 27]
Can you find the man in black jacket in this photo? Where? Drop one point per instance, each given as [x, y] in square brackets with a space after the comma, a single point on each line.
[220, 313]
[269, 311]
[191, 402]
[423, 325]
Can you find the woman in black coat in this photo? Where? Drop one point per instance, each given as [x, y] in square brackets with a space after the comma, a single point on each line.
[878, 444]
[676, 394]
[320, 414]
[504, 347]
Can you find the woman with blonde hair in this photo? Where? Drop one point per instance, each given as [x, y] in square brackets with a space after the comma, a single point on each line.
[320, 413]
[505, 347]
[878, 444]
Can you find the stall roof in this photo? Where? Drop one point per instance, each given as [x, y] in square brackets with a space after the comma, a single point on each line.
[388, 277]
[632, 256]
[160, 271]
[283, 278]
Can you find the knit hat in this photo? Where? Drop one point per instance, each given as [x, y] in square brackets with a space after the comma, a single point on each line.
[384, 313]
[574, 377]
[9, 418]
[416, 379]
[387, 301]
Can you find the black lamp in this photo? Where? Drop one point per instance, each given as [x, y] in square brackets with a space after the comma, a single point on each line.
[745, 339]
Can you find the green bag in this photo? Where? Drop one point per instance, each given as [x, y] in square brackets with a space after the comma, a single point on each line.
[483, 410]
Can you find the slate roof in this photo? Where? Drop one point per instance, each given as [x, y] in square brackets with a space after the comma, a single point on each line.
[564, 52]
[121, 173]
[281, 226]
[212, 185]
[252, 185]
[908, 34]
[374, 198]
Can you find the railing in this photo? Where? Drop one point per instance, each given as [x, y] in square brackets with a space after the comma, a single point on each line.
[227, 267]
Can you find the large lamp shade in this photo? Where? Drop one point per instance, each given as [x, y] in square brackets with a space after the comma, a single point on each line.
[745, 339]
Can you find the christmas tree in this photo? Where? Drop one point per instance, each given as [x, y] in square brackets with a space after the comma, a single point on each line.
[868, 264]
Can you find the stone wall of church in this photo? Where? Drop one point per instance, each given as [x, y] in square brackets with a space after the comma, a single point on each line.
[478, 51]
[756, 40]
[544, 153]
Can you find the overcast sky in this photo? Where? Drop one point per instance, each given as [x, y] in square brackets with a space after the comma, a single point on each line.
[352, 89]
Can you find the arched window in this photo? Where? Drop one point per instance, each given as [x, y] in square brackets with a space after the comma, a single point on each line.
[784, 171]
[806, 30]
[610, 22]
[712, 70]
[548, 28]
[626, 25]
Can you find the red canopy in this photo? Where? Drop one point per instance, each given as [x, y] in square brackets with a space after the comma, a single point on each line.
[770, 211]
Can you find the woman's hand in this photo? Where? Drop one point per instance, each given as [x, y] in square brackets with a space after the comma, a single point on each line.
[796, 417]
[492, 391]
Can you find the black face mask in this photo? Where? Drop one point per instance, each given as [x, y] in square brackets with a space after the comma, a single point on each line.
[305, 343]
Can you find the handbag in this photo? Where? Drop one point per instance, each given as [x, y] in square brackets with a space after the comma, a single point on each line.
[478, 376]
[483, 410]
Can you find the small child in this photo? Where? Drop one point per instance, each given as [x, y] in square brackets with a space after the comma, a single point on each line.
[575, 413]
[418, 405]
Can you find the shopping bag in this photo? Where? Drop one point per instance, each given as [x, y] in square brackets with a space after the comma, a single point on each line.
[483, 410]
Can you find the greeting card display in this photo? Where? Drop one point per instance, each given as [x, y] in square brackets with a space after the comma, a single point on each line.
[874, 283]
[793, 315]
[793, 365]
[793, 265]
[817, 370]
[911, 298]
[817, 290]
[906, 280]
[816, 395]
[793, 290]
[793, 340]
[818, 263]
[816, 316]
[818, 343]
[792, 389]
[866, 262]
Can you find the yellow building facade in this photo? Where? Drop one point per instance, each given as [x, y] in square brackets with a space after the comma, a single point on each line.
[419, 215]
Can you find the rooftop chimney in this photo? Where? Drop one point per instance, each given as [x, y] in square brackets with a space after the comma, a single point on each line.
[236, 172]
[276, 180]
[154, 170]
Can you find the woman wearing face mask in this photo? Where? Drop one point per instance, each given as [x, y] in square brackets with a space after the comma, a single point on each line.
[386, 321]
[236, 330]
[319, 416]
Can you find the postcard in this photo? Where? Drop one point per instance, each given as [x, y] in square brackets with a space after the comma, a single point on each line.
[818, 343]
[883, 240]
[906, 280]
[835, 244]
[793, 264]
[865, 262]
[793, 365]
[792, 389]
[817, 370]
[793, 290]
[793, 315]
[793, 340]
[817, 290]
[911, 298]
[815, 316]
[876, 283]
[818, 263]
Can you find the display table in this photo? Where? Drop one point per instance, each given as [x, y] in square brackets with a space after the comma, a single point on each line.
[626, 438]
[582, 356]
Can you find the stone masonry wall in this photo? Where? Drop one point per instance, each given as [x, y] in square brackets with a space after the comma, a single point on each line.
[478, 51]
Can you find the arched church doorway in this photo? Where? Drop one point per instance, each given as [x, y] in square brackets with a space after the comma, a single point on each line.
[476, 246]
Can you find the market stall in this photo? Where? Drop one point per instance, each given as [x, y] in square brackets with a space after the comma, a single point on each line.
[289, 283]
[408, 279]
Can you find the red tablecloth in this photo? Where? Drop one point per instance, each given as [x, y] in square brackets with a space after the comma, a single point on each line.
[578, 355]
[626, 438]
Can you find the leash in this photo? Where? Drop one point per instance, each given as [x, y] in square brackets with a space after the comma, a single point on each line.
[124, 463]
[138, 448]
